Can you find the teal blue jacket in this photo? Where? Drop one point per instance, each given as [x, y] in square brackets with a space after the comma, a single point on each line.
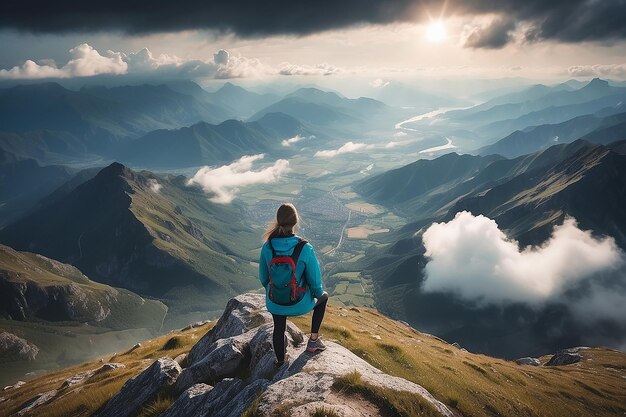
[307, 265]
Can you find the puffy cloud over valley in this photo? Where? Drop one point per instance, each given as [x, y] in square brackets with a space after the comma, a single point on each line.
[472, 258]
[224, 181]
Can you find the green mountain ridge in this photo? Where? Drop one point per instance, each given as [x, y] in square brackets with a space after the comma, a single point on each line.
[164, 240]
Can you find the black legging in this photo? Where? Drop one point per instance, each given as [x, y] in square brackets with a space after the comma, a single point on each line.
[280, 325]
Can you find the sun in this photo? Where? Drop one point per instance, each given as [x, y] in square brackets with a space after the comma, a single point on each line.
[436, 31]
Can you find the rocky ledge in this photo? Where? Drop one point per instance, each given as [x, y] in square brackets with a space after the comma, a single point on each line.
[231, 369]
[14, 348]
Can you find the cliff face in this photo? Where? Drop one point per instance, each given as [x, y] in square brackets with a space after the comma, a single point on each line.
[36, 288]
[14, 348]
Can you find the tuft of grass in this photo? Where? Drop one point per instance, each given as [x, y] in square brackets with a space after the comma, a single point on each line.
[156, 407]
[396, 353]
[340, 333]
[397, 403]
[253, 408]
[323, 412]
[173, 343]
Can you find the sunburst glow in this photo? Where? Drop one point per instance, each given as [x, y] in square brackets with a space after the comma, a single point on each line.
[436, 31]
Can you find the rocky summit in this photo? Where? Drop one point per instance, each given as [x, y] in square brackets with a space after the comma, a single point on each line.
[373, 366]
[231, 370]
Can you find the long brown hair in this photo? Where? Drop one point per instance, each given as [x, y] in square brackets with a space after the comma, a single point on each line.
[286, 220]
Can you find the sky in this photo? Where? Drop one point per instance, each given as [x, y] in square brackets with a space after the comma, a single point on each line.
[365, 41]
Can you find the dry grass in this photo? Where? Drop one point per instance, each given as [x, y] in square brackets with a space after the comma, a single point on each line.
[323, 412]
[156, 407]
[85, 398]
[479, 385]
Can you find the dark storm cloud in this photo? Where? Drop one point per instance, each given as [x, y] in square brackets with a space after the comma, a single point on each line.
[496, 35]
[561, 20]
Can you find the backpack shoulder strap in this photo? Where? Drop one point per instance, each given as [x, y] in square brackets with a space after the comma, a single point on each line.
[297, 250]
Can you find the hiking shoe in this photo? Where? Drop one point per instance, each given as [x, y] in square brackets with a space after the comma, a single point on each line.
[315, 345]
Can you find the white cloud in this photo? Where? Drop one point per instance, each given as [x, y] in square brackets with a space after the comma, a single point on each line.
[379, 83]
[296, 139]
[225, 181]
[472, 258]
[85, 62]
[349, 147]
[320, 69]
[236, 66]
[154, 185]
[611, 70]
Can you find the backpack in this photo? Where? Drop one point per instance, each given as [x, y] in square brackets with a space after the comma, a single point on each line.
[283, 284]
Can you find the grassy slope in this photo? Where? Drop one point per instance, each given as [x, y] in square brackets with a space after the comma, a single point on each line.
[218, 250]
[475, 385]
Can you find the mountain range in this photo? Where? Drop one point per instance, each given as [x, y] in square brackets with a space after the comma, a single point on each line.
[207, 144]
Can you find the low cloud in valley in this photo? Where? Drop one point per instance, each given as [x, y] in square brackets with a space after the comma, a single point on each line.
[349, 147]
[224, 182]
[472, 258]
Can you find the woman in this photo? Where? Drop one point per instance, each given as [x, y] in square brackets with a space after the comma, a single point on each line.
[304, 293]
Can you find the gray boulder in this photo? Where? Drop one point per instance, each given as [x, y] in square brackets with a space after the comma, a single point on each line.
[564, 358]
[528, 361]
[241, 314]
[139, 390]
[232, 355]
[189, 402]
[14, 348]
[241, 401]
[226, 359]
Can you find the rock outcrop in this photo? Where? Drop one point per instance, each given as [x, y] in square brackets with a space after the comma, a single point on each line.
[232, 366]
[14, 348]
[141, 389]
[38, 400]
[82, 376]
[564, 358]
[528, 361]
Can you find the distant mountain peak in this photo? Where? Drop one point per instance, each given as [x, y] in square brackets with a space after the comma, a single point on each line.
[597, 84]
[115, 170]
[228, 86]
